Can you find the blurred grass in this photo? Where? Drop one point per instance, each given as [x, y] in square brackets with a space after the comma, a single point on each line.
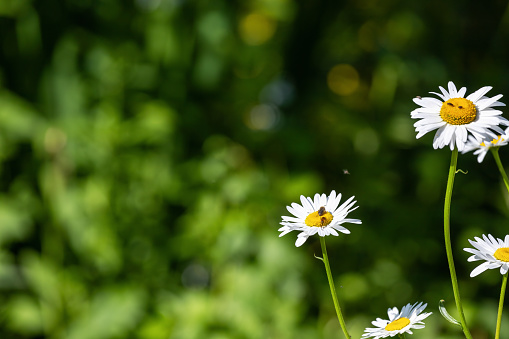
[148, 149]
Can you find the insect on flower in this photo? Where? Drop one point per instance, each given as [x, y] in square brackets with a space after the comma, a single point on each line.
[321, 212]
[478, 116]
[320, 215]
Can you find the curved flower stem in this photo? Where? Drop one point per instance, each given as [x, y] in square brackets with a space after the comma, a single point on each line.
[448, 247]
[332, 288]
[501, 306]
[401, 335]
[494, 151]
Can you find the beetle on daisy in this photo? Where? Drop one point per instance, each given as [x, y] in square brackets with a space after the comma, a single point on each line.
[319, 215]
[456, 117]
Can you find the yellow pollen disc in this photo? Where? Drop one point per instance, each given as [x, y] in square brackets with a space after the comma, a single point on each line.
[397, 324]
[494, 141]
[316, 220]
[502, 254]
[458, 111]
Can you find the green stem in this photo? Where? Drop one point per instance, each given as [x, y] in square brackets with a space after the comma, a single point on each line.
[332, 288]
[401, 335]
[494, 151]
[448, 247]
[501, 306]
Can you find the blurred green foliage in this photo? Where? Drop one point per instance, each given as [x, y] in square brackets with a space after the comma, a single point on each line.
[148, 149]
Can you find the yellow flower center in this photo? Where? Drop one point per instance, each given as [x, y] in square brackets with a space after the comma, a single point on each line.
[502, 254]
[494, 141]
[319, 218]
[458, 111]
[397, 324]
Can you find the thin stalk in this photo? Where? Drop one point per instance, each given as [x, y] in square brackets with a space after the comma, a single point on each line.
[494, 151]
[448, 247]
[401, 335]
[332, 288]
[501, 306]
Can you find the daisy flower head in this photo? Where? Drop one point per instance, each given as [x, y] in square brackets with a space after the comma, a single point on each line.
[494, 252]
[481, 149]
[409, 318]
[319, 215]
[456, 116]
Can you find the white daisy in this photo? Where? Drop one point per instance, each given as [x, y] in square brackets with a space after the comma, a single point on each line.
[495, 252]
[481, 149]
[321, 215]
[456, 117]
[409, 318]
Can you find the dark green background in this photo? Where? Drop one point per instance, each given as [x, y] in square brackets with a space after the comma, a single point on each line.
[148, 149]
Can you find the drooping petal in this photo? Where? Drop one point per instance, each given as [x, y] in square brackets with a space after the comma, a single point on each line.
[300, 241]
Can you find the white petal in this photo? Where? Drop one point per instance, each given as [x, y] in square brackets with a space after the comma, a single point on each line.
[292, 211]
[429, 121]
[312, 230]
[448, 133]
[316, 202]
[437, 140]
[332, 204]
[445, 93]
[484, 103]
[452, 90]
[341, 229]
[300, 241]
[332, 197]
[352, 221]
[439, 95]
[459, 144]
[392, 313]
[306, 204]
[299, 210]
[479, 269]
[481, 156]
[285, 232]
[479, 94]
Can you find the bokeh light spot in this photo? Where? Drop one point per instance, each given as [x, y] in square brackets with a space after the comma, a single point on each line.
[257, 28]
[262, 117]
[214, 28]
[343, 79]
